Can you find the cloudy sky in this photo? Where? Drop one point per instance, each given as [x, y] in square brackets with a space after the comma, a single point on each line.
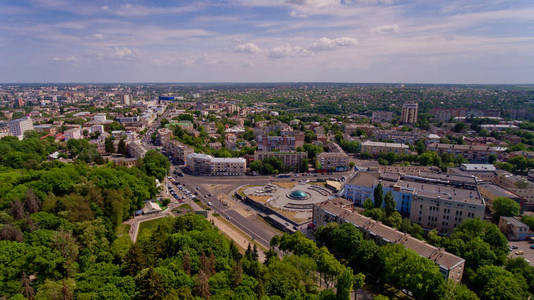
[411, 41]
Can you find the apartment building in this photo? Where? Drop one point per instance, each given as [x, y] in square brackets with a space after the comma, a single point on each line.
[438, 201]
[473, 153]
[73, 133]
[396, 136]
[276, 143]
[291, 160]
[338, 161]
[178, 150]
[340, 211]
[442, 207]
[136, 149]
[207, 165]
[374, 148]
[519, 186]
[381, 116]
[19, 126]
[409, 113]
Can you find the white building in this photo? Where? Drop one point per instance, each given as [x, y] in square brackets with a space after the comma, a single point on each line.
[207, 165]
[19, 126]
[74, 133]
[99, 118]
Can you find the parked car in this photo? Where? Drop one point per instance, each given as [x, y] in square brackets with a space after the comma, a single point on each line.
[519, 252]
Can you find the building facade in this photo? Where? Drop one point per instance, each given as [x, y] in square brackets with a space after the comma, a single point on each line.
[291, 160]
[207, 165]
[374, 148]
[19, 126]
[333, 160]
[473, 153]
[409, 113]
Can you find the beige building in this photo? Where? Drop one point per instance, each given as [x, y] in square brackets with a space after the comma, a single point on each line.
[442, 207]
[340, 211]
[333, 160]
[207, 165]
[514, 229]
[409, 113]
[136, 150]
[291, 160]
[374, 148]
[518, 185]
[473, 153]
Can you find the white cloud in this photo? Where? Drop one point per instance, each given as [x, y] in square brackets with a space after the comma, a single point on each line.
[123, 52]
[393, 28]
[64, 59]
[98, 36]
[288, 51]
[249, 48]
[325, 43]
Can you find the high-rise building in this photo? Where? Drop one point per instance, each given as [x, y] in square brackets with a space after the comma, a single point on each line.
[409, 113]
[19, 126]
[126, 99]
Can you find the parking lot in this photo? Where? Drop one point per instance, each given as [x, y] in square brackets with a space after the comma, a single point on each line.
[523, 246]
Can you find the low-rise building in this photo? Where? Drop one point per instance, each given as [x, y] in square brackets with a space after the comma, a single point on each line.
[514, 229]
[374, 148]
[340, 211]
[518, 185]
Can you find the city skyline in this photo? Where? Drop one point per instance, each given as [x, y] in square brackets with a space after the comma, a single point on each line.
[267, 41]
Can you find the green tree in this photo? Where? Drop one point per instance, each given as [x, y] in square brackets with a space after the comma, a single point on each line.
[390, 204]
[155, 164]
[344, 285]
[506, 207]
[378, 194]
[368, 204]
[122, 148]
[109, 146]
[493, 282]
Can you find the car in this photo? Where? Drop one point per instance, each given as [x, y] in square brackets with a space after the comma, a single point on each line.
[514, 247]
[519, 252]
[209, 203]
[531, 246]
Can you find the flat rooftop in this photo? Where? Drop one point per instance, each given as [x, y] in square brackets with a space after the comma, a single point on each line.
[439, 191]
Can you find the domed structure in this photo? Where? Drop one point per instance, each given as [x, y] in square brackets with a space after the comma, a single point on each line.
[298, 195]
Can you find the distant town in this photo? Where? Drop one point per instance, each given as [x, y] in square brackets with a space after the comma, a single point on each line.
[438, 170]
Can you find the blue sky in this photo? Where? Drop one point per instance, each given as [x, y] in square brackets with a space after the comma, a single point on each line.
[419, 41]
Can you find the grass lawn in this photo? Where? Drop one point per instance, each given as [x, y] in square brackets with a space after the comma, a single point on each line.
[146, 228]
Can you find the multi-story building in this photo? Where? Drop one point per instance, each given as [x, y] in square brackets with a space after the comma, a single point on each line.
[4, 129]
[338, 161]
[207, 165]
[99, 118]
[276, 143]
[340, 211]
[136, 149]
[381, 116]
[442, 207]
[374, 148]
[438, 201]
[473, 153]
[178, 150]
[19, 126]
[291, 160]
[518, 185]
[126, 100]
[405, 137]
[73, 133]
[409, 113]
